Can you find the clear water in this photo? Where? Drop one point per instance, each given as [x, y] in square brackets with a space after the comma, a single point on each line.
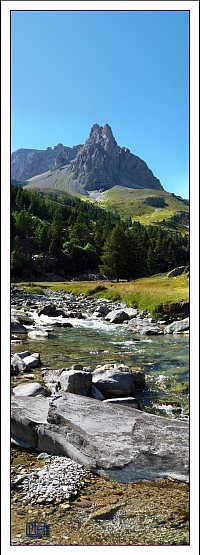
[164, 358]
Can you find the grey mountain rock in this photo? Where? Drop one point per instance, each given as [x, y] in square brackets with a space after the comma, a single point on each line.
[99, 163]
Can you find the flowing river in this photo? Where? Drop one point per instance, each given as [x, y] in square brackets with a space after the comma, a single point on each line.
[91, 341]
[144, 514]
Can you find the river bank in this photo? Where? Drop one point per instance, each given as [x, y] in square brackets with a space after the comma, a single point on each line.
[103, 512]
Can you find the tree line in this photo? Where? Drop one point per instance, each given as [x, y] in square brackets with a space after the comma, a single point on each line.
[81, 237]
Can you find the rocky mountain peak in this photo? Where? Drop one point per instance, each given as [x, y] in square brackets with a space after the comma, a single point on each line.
[98, 164]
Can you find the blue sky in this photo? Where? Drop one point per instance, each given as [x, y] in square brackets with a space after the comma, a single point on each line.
[71, 69]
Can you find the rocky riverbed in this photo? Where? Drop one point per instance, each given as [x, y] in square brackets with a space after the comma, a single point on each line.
[99, 512]
[55, 488]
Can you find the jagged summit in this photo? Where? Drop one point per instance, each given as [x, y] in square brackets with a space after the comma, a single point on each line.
[99, 163]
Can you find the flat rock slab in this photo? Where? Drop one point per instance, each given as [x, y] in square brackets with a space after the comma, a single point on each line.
[120, 443]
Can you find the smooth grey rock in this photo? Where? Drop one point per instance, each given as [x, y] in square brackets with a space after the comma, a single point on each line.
[38, 334]
[16, 327]
[138, 377]
[51, 310]
[76, 381]
[143, 326]
[120, 443]
[178, 326]
[102, 310]
[96, 394]
[32, 361]
[112, 383]
[125, 401]
[29, 389]
[26, 416]
[117, 316]
[150, 330]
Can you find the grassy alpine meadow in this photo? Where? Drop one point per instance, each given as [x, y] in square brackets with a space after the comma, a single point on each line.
[153, 293]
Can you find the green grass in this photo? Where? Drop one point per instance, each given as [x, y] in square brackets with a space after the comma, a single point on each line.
[153, 293]
[129, 203]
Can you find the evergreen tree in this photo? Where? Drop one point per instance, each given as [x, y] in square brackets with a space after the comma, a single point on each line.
[115, 254]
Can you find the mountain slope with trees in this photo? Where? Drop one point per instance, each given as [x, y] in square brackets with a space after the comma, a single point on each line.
[64, 236]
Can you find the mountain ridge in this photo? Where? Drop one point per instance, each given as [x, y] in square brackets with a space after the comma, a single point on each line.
[99, 163]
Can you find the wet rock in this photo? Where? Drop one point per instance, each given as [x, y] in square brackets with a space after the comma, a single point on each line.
[63, 325]
[16, 327]
[178, 326]
[150, 330]
[76, 381]
[51, 310]
[29, 389]
[24, 319]
[144, 326]
[117, 316]
[38, 334]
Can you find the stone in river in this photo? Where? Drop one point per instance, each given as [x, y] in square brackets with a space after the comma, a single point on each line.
[16, 327]
[32, 361]
[178, 326]
[38, 334]
[117, 316]
[120, 443]
[112, 383]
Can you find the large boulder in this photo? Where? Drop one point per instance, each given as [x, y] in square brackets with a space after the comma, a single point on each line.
[138, 377]
[51, 310]
[114, 384]
[76, 381]
[178, 326]
[117, 316]
[102, 310]
[120, 443]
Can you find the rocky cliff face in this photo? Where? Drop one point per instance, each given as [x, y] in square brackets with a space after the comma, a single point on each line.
[98, 164]
[27, 163]
[101, 163]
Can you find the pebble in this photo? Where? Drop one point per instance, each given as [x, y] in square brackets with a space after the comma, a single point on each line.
[56, 482]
